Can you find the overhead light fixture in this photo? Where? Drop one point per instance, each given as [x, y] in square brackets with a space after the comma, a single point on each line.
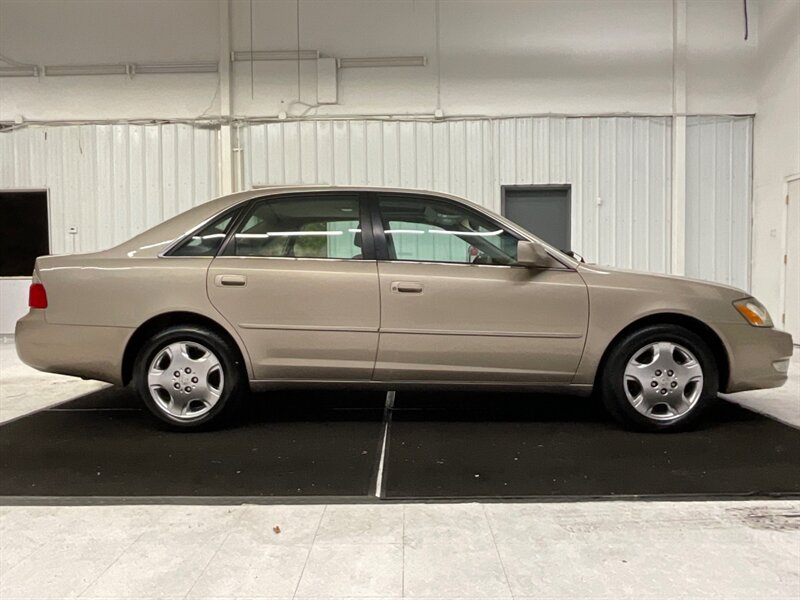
[246, 56]
[62, 70]
[199, 67]
[383, 61]
[19, 71]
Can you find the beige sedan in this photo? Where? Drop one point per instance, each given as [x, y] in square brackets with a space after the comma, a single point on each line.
[385, 288]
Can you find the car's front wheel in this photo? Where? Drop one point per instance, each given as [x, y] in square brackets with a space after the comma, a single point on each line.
[659, 378]
[188, 376]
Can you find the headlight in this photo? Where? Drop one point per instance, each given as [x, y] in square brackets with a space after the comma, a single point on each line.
[753, 312]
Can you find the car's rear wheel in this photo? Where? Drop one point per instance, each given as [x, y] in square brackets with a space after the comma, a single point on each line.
[188, 376]
[659, 378]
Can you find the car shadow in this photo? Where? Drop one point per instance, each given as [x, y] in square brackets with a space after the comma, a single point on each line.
[337, 405]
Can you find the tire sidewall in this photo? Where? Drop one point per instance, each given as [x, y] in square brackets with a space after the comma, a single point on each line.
[612, 387]
[231, 367]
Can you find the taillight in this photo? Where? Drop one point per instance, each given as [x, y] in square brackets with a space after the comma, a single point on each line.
[37, 297]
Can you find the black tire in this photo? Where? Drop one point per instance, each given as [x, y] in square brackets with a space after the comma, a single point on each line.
[233, 382]
[611, 380]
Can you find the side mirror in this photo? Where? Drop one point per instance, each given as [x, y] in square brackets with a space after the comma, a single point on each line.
[531, 254]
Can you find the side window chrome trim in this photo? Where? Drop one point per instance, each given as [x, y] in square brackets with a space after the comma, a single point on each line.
[469, 265]
[347, 260]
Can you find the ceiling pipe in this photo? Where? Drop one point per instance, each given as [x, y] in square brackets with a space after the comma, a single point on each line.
[19, 71]
[130, 69]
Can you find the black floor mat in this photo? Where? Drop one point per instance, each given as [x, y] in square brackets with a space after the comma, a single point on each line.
[520, 446]
[440, 446]
[104, 444]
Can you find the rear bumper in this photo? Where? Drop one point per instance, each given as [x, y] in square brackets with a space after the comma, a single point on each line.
[79, 350]
[758, 356]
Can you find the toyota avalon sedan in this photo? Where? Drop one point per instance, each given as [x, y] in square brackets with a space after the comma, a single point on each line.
[385, 288]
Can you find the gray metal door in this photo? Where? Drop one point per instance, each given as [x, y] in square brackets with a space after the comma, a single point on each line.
[542, 210]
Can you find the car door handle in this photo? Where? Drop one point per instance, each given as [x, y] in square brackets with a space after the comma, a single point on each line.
[230, 280]
[407, 287]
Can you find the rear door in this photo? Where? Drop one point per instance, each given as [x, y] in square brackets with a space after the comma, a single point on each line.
[456, 308]
[298, 280]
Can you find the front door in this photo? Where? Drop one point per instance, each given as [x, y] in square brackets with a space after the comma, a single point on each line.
[456, 308]
[298, 281]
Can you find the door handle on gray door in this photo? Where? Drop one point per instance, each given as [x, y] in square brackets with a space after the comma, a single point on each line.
[230, 280]
[407, 287]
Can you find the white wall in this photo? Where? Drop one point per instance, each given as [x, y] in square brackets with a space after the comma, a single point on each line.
[13, 302]
[63, 32]
[719, 158]
[777, 142]
[619, 169]
[720, 64]
[497, 57]
[111, 182]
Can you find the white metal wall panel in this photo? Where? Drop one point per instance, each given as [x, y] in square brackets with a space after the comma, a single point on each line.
[111, 181]
[718, 198]
[619, 168]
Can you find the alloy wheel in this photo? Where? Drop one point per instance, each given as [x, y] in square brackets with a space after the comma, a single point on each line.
[185, 379]
[663, 381]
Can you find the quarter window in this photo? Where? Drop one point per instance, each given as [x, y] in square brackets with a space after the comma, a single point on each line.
[206, 241]
[429, 230]
[302, 227]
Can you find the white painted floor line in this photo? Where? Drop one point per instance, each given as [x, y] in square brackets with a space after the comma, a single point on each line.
[387, 418]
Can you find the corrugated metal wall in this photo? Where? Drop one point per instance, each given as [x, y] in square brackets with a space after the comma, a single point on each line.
[718, 198]
[111, 181]
[619, 168]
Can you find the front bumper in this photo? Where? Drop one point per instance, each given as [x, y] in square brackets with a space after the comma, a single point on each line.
[84, 351]
[758, 356]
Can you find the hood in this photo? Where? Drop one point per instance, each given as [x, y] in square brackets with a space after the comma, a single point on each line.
[638, 294]
[675, 283]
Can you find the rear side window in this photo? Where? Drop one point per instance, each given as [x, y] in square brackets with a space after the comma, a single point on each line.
[206, 241]
[302, 227]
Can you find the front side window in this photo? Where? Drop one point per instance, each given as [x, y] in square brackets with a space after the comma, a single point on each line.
[206, 241]
[302, 227]
[431, 230]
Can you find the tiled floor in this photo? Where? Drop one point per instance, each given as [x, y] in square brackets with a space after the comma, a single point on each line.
[606, 550]
[579, 550]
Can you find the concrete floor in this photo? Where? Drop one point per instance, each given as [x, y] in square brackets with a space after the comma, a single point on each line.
[581, 550]
[24, 390]
[782, 404]
[743, 549]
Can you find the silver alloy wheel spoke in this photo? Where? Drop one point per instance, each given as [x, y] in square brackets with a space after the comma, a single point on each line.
[186, 380]
[663, 381]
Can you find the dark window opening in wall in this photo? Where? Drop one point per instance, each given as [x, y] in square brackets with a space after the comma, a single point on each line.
[24, 231]
[544, 210]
